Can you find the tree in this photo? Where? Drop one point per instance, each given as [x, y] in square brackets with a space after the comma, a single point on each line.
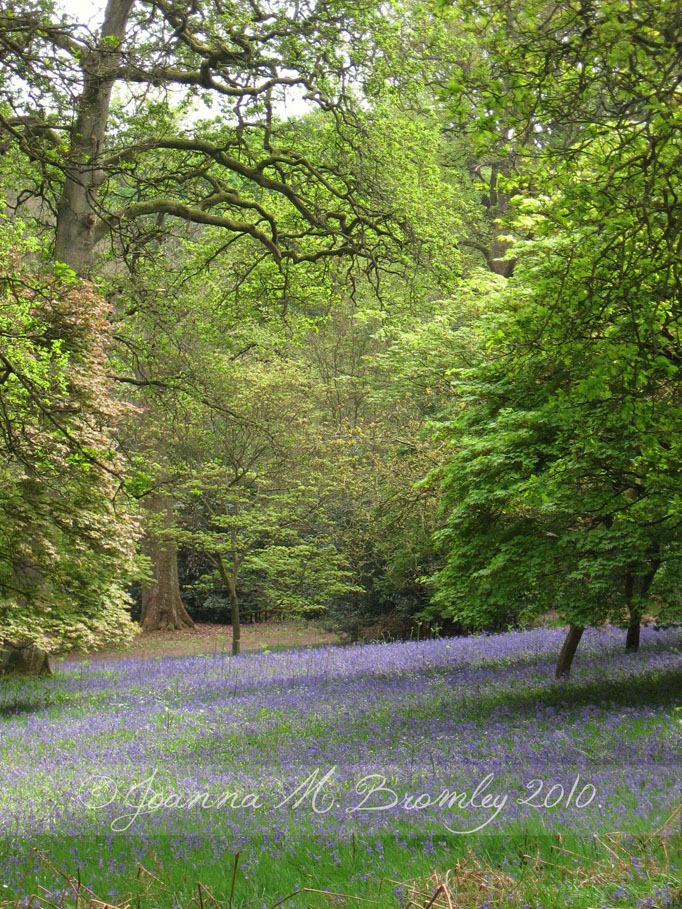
[109, 171]
[162, 607]
[67, 539]
[561, 490]
[115, 160]
[255, 503]
[381, 369]
[269, 540]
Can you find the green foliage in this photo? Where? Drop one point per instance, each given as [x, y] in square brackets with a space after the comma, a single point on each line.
[565, 470]
[267, 542]
[563, 487]
[255, 501]
[66, 538]
[301, 337]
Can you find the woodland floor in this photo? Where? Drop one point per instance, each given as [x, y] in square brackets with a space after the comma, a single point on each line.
[141, 778]
[213, 638]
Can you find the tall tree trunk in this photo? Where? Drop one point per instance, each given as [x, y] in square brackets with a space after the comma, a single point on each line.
[632, 637]
[76, 218]
[162, 606]
[236, 622]
[230, 581]
[565, 661]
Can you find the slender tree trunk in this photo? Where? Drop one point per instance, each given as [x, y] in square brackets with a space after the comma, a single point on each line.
[230, 581]
[236, 623]
[635, 611]
[632, 637]
[565, 661]
[635, 607]
[234, 602]
[76, 217]
[162, 606]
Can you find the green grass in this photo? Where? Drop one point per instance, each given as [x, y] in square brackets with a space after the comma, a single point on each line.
[519, 870]
[537, 863]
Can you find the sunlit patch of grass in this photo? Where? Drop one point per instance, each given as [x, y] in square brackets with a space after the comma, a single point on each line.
[618, 872]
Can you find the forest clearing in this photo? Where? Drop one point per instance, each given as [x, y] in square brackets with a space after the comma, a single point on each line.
[351, 769]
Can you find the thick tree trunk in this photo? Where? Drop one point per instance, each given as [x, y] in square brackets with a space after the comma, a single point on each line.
[632, 637]
[162, 606]
[76, 218]
[565, 661]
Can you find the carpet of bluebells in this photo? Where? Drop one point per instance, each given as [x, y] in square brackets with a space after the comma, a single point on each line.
[420, 746]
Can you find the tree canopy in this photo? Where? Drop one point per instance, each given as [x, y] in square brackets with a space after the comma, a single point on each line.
[344, 308]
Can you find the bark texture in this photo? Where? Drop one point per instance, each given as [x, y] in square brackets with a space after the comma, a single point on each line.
[565, 661]
[162, 606]
[76, 218]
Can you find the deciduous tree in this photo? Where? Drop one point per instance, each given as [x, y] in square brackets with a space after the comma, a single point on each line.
[66, 537]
